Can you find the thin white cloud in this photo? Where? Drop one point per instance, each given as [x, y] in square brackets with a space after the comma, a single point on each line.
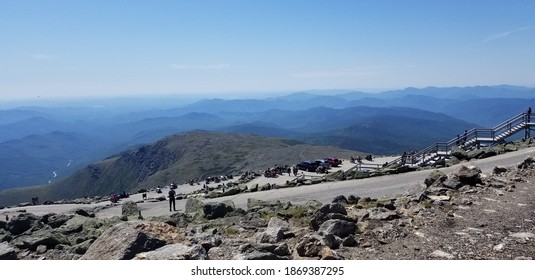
[498, 36]
[220, 66]
[43, 57]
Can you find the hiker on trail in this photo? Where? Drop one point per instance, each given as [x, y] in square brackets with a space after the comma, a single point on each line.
[529, 114]
[464, 137]
[172, 194]
[295, 170]
[458, 143]
[404, 158]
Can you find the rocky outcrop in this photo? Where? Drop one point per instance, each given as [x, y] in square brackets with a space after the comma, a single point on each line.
[126, 240]
[461, 215]
[24, 222]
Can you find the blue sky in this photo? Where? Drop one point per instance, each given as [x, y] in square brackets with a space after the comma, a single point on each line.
[102, 48]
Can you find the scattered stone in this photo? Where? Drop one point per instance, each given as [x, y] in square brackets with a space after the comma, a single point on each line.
[216, 210]
[441, 255]
[499, 247]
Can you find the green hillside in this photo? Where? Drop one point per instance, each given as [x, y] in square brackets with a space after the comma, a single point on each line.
[179, 158]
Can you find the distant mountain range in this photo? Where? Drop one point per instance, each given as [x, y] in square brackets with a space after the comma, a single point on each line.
[36, 141]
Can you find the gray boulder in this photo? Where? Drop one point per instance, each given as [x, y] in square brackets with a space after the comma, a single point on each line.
[381, 213]
[23, 222]
[125, 240]
[84, 212]
[7, 252]
[338, 228]
[309, 246]
[175, 252]
[275, 222]
[55, 220]
[468, 175]
[270, 235]
[45, 236]
[216, 210]
[435, 176]
[329, 212]
[263, 252]
[193, 205]
[129, 209]
[351, 199]
[527, 163]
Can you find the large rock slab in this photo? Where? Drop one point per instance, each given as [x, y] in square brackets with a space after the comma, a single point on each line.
[55, 220]
[175, 252]
[7, 252]
[125, 240]
[45, 237]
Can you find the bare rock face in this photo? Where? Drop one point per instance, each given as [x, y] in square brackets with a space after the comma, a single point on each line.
[7, 252]
[125, 240]
[175, 252]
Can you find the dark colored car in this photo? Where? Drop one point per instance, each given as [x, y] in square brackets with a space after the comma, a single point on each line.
[307, 165]
[323, 163]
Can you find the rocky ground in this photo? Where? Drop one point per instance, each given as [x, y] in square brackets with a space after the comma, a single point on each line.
[462, 215]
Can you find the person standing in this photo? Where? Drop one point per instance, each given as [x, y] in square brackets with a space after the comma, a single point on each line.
[172, 194]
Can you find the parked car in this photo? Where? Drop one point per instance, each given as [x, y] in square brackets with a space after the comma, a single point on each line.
[323, 163]
[308, 165]
[334, 162]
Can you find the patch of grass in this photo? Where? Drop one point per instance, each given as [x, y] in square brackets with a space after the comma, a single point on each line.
[426, 204]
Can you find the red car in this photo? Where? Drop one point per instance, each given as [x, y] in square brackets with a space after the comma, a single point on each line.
[334, 162]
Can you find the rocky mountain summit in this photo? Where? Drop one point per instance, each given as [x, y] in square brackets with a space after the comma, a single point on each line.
[462, 215]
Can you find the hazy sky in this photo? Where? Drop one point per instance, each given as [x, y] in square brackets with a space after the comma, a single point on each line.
[80, 48]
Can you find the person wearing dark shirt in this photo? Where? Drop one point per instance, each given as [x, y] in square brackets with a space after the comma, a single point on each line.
[172, 194]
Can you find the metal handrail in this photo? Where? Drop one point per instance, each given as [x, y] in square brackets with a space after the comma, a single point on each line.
[470, 137]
